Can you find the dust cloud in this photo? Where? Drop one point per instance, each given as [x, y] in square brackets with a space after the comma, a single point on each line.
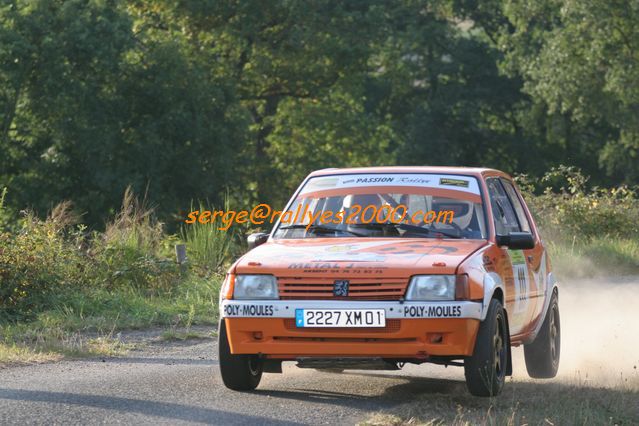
[599, 332]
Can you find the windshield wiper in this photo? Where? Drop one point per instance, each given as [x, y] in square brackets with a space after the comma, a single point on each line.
[405, 227]
[320, 228]
[439, 231]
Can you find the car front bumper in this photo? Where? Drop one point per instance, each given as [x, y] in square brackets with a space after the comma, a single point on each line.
[413, 329]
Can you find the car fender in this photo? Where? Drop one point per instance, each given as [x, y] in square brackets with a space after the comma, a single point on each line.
[492, 281]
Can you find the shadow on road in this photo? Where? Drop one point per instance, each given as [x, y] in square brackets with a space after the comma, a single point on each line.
[165, 410]
[413, 388]
[146, 360]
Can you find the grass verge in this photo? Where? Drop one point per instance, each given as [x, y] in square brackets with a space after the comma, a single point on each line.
[85, 323]
[595, 258]
[531, 403]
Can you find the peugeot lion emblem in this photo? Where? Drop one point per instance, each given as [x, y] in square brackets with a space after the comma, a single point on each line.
[340, 288]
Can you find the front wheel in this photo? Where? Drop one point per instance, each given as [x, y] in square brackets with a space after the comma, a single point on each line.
[239, 372]
[542, 355]
[485, 370]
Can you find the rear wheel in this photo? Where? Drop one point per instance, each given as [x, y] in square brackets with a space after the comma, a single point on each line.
[542, 355]
[239, 372]
[485, 370]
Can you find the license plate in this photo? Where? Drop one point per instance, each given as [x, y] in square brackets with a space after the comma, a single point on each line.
[340, 318]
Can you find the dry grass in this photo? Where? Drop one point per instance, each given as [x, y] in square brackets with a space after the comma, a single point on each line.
[522, 403]
[63, 216]
[598, 257]
[21, 355]
[135, 225]
[55, 346]
[600, 407]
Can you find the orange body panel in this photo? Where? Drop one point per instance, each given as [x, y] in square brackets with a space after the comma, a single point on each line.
[410, 338]
[379, 269]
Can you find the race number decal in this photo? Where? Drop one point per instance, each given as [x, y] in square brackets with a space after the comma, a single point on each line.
[520, 275]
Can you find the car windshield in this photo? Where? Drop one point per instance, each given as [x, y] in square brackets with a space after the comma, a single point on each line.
[386, 205]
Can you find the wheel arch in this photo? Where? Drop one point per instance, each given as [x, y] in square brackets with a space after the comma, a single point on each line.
[552, 287]
[493, 289]
[499, 295]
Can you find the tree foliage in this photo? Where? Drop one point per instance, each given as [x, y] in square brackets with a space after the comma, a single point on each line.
[580, 58]
[210, 99]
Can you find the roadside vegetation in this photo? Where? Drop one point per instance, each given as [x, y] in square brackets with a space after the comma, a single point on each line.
[590, 231]
[522, 403]
[67, 291]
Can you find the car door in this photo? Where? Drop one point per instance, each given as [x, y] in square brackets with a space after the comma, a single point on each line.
[535, 258]
[512, 264]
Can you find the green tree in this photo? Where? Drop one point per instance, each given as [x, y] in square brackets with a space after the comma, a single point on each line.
[279, 52]
[94, 98]
[580, 59]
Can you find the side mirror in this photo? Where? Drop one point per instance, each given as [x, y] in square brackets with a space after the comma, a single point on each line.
[516, 241]
[256, 239]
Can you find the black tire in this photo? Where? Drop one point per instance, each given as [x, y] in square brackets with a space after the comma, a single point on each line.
[239, 372]
[486, 369]
[542, 355]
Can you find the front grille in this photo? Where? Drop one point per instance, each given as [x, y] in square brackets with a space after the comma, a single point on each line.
[392, 326]
[359, 288]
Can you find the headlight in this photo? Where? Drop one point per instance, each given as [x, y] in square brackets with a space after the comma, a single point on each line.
[255, 287]
[431, 287]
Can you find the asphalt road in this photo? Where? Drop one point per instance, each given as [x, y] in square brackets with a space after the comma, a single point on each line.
[178, 383]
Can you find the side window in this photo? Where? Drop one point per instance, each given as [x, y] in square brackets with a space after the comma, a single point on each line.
[503, 213]
[516, 202]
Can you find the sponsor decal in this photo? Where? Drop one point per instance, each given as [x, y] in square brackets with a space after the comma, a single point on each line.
[341, 249]
[384, 179]
[349, 256]
[442, 250]
[521, 281]
[249, 310]
[326, 182]
[441, 311]
[516, 257]
[427, 180]
[316, 265]
[417, 249]
[414, 180]
[454, 182]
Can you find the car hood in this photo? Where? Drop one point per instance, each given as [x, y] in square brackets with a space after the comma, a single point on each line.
[331, 257]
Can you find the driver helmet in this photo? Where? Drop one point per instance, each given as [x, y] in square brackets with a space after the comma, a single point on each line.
[462, 210]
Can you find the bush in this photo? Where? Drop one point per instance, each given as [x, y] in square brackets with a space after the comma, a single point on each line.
[568, 210]
[131, 252]
[48, 260]
[209, 248]
[589, 232]
[39, 262]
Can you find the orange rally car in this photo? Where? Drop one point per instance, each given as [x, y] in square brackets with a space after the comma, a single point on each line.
[376, 294]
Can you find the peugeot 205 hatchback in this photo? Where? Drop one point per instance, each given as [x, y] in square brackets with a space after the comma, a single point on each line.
[379, 292]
